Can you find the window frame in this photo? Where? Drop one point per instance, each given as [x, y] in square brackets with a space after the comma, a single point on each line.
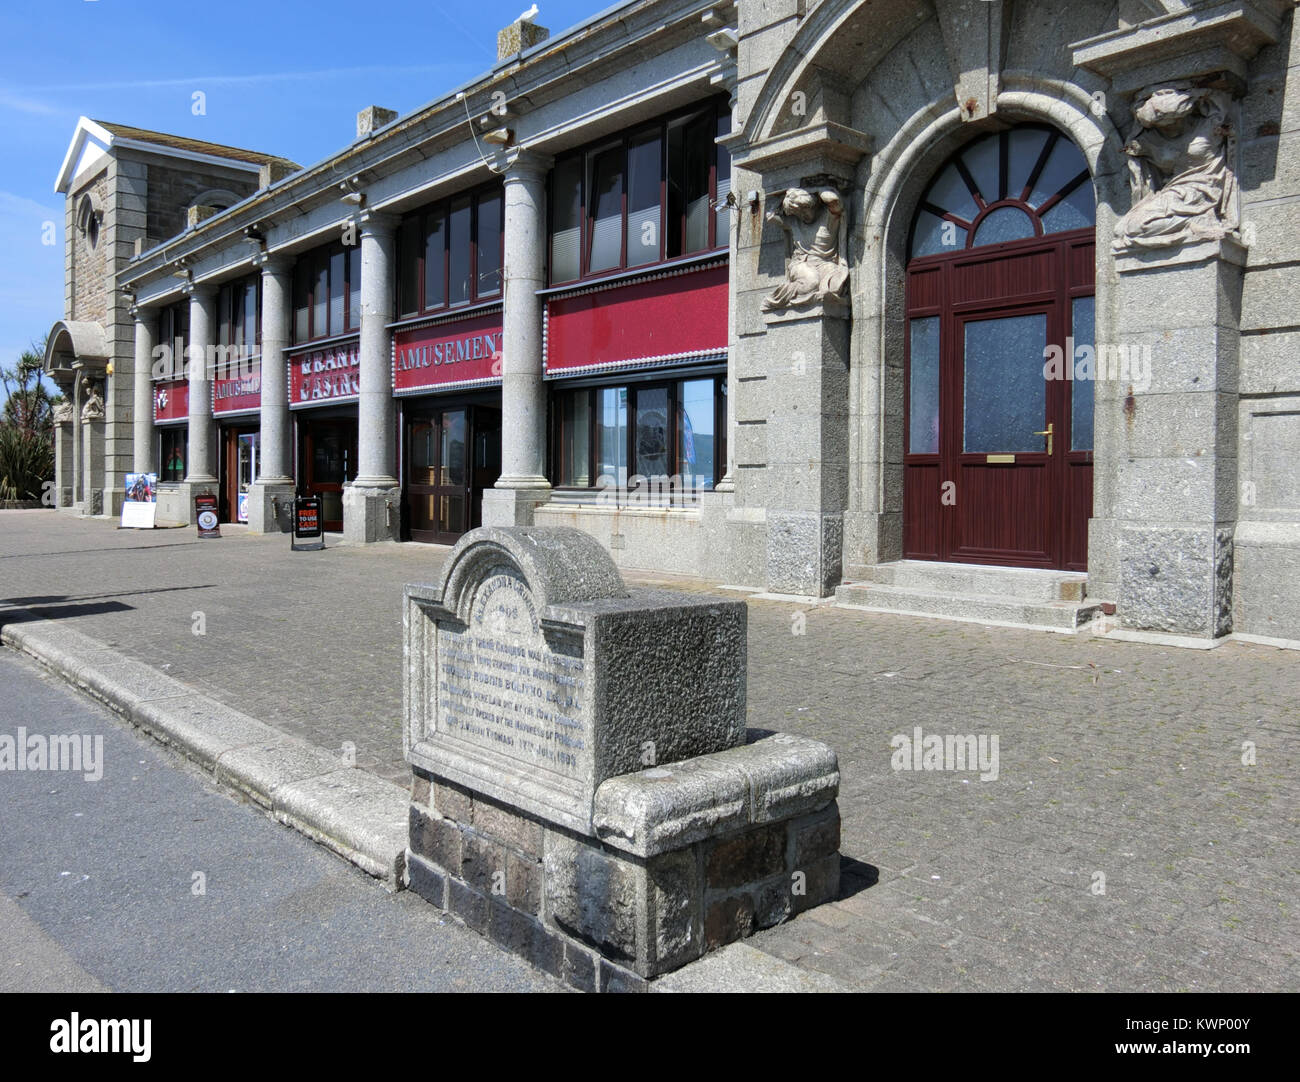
[231, 310]
[416, 223]
[639, 493]
[718, 240]
[310, 265]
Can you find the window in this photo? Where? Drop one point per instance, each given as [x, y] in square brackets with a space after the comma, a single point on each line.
[655, 442]
[451, 253]
[642, 198]
[1006, 186]
[238, 328]
[171, 456]
[173, 329]
[327, 293]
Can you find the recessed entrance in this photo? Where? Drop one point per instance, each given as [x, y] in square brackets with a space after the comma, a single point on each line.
[329, 460]
[998, 454]
[452, 454]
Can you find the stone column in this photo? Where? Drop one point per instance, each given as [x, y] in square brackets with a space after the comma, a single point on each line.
[523, 484]
[371, 503]
[77, 471]
[198, 352]
[1175, 435]
[92, 460]
[63, 463]
[270, 502]
[200, 455]
[142, 448]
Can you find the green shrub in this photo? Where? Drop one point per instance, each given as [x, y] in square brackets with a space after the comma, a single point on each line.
[26, 463]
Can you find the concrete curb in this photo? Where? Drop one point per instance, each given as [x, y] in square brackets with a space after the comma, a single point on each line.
[360, 817]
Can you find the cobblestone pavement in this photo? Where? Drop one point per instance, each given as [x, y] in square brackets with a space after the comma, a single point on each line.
[1124, 844]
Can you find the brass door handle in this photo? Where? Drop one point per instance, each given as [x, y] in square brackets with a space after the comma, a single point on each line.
[1048, 433]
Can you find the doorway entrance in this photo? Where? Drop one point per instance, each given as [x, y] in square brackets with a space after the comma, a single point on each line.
[329, 460]
[998, 453]
[452, 454]
[240, 467]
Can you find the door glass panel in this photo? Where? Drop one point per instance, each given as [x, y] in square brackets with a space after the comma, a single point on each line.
[1081, 390]
[328, 459]
[923, 388]
[453, 448]
[652, 432]
[422, 462]
[331, 506]
[422, 518]
[1005, 398]
[451, 513]
[611, 436]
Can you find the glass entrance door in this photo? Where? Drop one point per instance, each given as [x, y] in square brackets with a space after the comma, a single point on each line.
[246, 471]
[329, 460]
[438, 478]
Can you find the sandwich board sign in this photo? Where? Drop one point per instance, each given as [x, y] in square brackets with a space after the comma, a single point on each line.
[205, 514]
[307, 524]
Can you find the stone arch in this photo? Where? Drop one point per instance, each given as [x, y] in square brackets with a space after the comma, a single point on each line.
[217, 198]
[891, 184]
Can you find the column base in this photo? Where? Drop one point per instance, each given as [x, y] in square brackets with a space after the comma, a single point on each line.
[804, 552]
[513, 506]
[176, 501]
[370, 514]
[270, 507]
[1176, 579]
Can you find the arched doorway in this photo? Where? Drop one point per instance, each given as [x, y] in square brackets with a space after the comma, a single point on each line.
[998, 449]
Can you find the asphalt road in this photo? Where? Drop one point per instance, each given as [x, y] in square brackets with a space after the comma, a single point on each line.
[152, 880]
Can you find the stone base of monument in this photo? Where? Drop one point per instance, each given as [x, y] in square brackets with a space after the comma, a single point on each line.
[538, 687]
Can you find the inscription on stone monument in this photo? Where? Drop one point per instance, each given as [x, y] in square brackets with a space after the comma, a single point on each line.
[503, 688]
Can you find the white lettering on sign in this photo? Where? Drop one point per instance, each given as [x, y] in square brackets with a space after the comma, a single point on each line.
[474, 347]
[329, 373]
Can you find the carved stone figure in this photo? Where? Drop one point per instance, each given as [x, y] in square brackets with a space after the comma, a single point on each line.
[816, 269]
[1184, 188]
[62, 413]
[93, 410]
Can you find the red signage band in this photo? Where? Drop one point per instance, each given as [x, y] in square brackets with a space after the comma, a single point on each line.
[325, 375]
[171, 401]
[237, 395]
[468, 350]
[673, 315]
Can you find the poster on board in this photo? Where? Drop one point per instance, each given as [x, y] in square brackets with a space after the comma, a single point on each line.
[140, 504]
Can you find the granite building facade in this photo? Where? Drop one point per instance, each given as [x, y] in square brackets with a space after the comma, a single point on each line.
[976, 309]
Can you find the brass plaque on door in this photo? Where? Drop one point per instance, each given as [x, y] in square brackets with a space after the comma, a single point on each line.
[999, 458]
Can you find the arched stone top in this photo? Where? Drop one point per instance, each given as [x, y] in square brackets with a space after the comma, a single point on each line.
[560, 564]
[217, 198]
[72, 341]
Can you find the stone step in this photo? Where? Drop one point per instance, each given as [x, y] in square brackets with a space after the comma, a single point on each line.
[931, 576]
[1000, 610]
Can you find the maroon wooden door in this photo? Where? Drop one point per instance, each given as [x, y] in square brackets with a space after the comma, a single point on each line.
[998, 459]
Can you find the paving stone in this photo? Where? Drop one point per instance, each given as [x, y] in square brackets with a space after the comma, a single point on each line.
[1106, 748]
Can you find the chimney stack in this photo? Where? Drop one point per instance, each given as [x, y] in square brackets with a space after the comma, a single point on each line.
[521, 34]
[372, 118]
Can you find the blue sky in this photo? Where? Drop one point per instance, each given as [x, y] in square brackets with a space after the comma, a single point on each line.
[282, 76]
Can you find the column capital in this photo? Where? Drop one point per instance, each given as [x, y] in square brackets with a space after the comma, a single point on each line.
[522, 164]
[273, 263]
[375, 223]
[200, 291]
[141, 311]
